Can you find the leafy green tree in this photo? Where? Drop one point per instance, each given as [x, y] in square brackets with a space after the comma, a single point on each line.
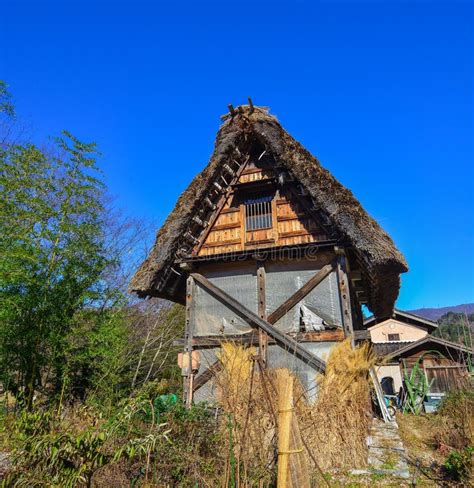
[67, 325]
[6, 105]
[96, 355]
[52, 255]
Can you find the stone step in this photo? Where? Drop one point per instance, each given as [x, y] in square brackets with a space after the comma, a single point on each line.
[386, 452]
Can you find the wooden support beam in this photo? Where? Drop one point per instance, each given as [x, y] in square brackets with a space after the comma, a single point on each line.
[357, 315]
[262, 313]
[222, 200]
[312, 283]
[335, 335]
[344, 295]
[206, 375]
[252, 338]
[361, 335]
[280, 311]
[187, 371]
[255, 321]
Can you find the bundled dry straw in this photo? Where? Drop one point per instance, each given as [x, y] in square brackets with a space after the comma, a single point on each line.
[337, 425]
[329, 434]
[248, 426]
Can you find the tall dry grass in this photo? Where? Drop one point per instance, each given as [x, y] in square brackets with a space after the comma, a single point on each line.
[332, 431]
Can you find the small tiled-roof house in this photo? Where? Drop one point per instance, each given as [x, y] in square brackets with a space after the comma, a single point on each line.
[404, 339]
[446, 365]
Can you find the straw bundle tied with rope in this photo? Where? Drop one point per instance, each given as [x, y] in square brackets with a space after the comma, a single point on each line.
[257, 403]
[248, 426]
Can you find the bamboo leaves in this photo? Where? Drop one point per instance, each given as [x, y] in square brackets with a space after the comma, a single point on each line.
[52, 253]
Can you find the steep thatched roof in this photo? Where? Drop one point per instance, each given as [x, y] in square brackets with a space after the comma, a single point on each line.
[375, 249]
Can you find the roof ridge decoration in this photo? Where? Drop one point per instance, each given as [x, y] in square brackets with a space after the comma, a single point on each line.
[241, 127]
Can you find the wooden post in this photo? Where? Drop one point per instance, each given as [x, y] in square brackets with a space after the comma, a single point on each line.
[188, 344]
[344, 294]
[285, 413]
[262, 313]
[357, 318]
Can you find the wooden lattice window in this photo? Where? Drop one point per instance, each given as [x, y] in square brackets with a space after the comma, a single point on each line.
[393, 337]
[258, 213]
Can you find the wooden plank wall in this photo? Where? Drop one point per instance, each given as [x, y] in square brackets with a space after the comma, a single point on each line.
[292, 223]
[448, 373]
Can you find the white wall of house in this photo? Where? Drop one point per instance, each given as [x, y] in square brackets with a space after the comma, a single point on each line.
[387, 330]
[392, 371]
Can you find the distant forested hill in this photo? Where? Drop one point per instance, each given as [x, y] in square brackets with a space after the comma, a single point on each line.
[436, 313]
[456, 327]
[456, 323]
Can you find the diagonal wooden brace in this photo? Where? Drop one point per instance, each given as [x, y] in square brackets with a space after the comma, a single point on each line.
[255, 321]
[312, 283]
[284, 308]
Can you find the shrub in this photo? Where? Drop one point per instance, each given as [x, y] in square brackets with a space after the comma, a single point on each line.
[50, 450]
[191, 454]
[151, 438]
[459, 464]
[455, 420]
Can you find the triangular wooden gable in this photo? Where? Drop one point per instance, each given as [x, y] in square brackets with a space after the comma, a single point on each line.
[293, 220]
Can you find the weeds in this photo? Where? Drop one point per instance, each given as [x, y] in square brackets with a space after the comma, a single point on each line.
[441, 443]
[149, 440]
[49, 449]
[459, 464]
[455, 420]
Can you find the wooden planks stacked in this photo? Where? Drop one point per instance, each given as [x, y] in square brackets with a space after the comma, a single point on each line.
[226, 234]
[292, 224]
[255, 174]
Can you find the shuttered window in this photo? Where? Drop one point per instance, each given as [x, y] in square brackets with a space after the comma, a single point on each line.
[258, 213]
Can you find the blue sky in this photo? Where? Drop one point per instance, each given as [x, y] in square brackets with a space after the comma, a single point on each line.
[381, 92]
